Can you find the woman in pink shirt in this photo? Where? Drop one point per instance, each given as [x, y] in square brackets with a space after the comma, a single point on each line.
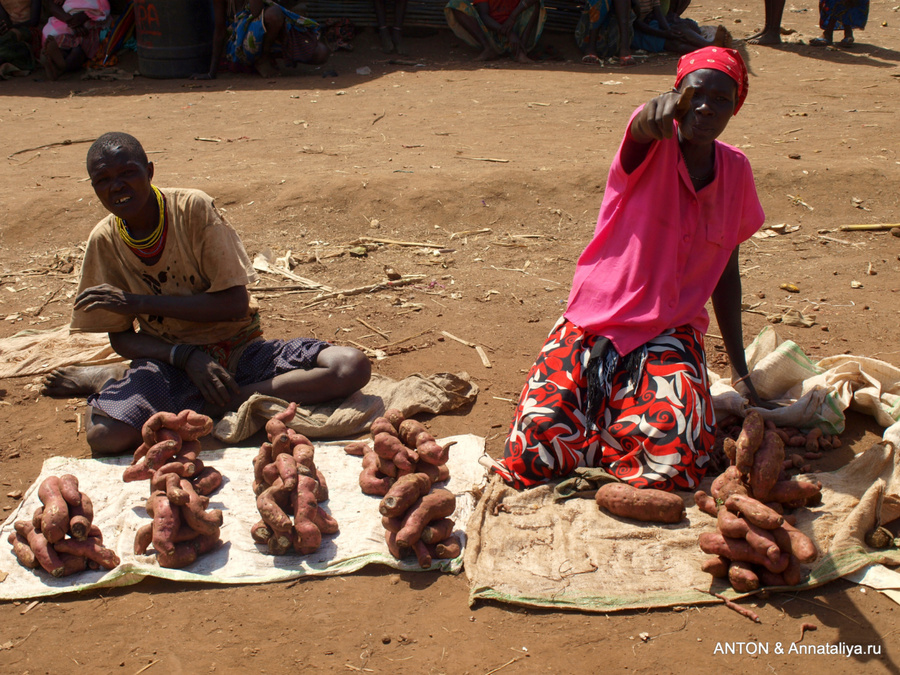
[621, 380]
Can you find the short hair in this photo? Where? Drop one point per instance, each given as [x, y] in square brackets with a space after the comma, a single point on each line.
[115, 140]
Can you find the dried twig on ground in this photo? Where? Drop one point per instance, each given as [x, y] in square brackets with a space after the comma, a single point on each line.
[52, 145]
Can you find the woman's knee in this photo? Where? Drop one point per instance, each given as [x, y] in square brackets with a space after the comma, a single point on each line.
[107, 436]
[349, 368]
[273, 20]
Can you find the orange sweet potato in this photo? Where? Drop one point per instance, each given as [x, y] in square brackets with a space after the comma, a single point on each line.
[321, 487]
[307, 535]
[793, 541]
[706, 503]
[286, 468]
[279, 544]
[729, 447]
[261, 532]
[44, 553]
[391, 448]
[739, 550]
[727, 483]
[166, 521]
[91, 549]
[36, 518]
[794, 572]
[55, 518]
[437, 531]
[72, 564]
[22, 551]
[812, 440]
[423, 555]
[304, 458]
[717, 566]
[404, 493]
[195, 514]
[207, 481]
[277, 424]
[394, 416]
[189, 425]
[398, 551]
[437, 504]
[742, 577]
[371, 480]
[382, 425]
[160, 453]
[754, 511]
[647, 505]
[436, 473]
[185, 553]
[768, 579]
[748, 441]
[356, 448]
[787, 491]
[81, 517]
[449, 548]
[170, 483]
[137, 471]
[143, 538]
[68, 488]
[761, 540]
[767, 465]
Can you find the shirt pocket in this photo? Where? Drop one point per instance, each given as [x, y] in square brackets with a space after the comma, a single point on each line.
[721, 222]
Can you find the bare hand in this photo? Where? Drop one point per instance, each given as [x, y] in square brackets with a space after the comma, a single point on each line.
[215, 383]
[77, 20]
[655, 120]
[106, 297]
[506, 28]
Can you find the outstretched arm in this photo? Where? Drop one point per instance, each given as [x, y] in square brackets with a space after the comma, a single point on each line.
[228, 305]
[654, 123]
[726, 300]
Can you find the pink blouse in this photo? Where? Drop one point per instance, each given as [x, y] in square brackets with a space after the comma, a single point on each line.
[660, 247]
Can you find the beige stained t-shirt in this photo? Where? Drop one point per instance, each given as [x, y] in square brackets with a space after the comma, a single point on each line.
[202, 254]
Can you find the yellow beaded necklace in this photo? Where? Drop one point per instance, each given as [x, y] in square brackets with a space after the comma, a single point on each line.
[153, 244]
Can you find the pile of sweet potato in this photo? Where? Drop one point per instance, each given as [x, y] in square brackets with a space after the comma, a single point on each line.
[182, 527]
[286, 481]
[169, 452]
[400, 447]
[756, 544]
[61, 537]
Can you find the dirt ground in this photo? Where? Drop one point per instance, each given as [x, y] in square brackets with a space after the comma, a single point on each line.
[314, 160]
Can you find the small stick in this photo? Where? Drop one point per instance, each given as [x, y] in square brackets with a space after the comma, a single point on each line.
[77, 424]
[743, 611]
[485, 159]
[30, 607]
[208, 140]
[406, 339]
[466, 233]
[399, 243]
[870, 226]
[152, 663]
[498, 668]
[459, 340]
[486, 362]
[381, 116]
[371, 327]
[52, 145]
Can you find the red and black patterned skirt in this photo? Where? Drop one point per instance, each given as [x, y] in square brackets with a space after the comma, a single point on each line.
[653, 428]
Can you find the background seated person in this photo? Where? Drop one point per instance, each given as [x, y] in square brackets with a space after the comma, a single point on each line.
[167, 259]
[19, 20]
[259, 30]
[72, 34]
[653, 34]
[498, 26]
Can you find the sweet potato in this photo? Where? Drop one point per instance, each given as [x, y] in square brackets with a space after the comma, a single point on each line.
[22, 551]
[356, 448]
[761, 540]
[81, 517]
[801, 547]
[207, 481]
[398, 551]
[423, 555]
[727, 483]
[280, 544]
[717, 566]
[44, 553]
[286, 468]
[160, 453]
[787, 491]
[449, 548]
[55, 518]
[189, 425]
[325, 521]
[812, 440]
[394, 416]
[371, 481]
[137, 471]
[767, 465]
[754, 511]
[390, 447]
[404, 493]
[91, 549]
[748, 441]
[438, 530]
[321, 487]
[794, 572]
[392, 524]
[260, 532]
[36, 518]
[166, 521]
[195, 513]
[304, 457]
[742, 577]
[270, 473]
[729, 447]
[186, 553]
[414, 435]
[739, 550]
[176, 468]
[409, 432]
[170, 483]
[436, 473]
[308, 537]
[72, 564]
[143, 538]
[277, 424]
[68, 488]
[382, 425]
[646, 505]
[706, 503]
[768, 578]
[437, 504]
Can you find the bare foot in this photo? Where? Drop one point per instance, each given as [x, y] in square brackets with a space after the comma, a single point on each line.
[53, 60]
[522, 57]
[488, 55]
[80, 380]
[768, 37]
[722, 37]
[754, 36]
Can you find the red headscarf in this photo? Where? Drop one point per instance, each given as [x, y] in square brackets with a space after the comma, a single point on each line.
[722, 59]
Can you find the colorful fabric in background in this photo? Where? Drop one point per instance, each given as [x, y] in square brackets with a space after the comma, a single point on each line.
[246, 35]
[599, 14]
[843, 14]
[499, 43]
[339, 33]
[120, 34]
[89, 40]
[652, 433]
